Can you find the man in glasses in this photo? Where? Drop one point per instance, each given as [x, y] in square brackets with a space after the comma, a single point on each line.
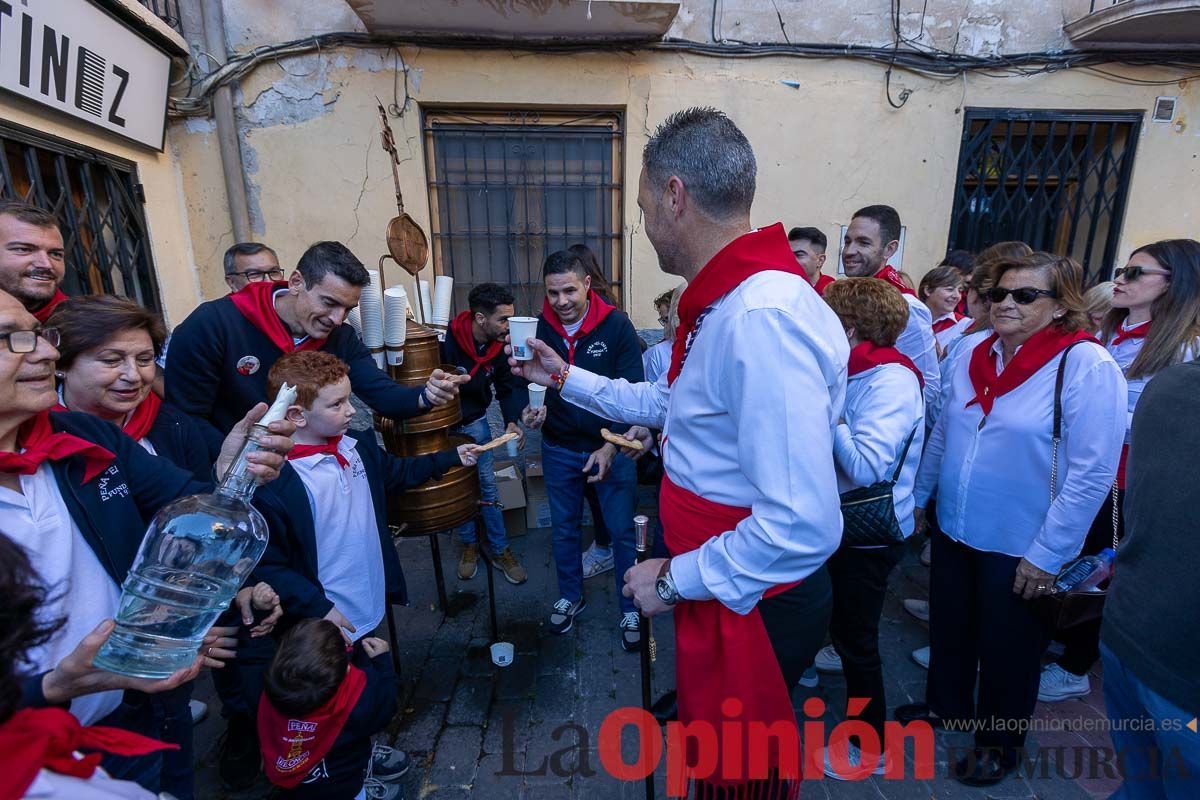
[32, 257]
[250, 262]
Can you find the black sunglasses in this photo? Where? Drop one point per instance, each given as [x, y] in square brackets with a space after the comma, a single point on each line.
[1131, 274]
[20, 342]
[1022, 297]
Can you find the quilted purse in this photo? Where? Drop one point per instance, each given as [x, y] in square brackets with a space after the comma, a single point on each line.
[869, 512]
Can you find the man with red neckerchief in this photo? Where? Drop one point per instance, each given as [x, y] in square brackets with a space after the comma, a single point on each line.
[32, 257]
[750, 500]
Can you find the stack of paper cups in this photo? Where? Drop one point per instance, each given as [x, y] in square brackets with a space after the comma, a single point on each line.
[395, 323]
[354, 320]
[426, 309]
[370, 307]
[443, 293]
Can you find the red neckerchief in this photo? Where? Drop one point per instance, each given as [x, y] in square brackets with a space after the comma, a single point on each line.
[889, 274]
[961, 308]
[721, 654]
[43, 313]
[41, 444]
[762, 250]
[1136, 332]
[947, 322]
[292, 747]
[462, 328]
[866, 355]
[596, 312]
[330, 448]
[47, 738]
[140, 421]
[822, 282]
[256, 301]
[1037, 351]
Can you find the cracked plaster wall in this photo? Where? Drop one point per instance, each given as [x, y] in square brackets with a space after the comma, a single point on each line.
[310, 138]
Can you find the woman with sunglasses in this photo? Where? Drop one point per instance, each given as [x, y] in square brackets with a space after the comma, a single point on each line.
[1154, 323]
[1003, 539]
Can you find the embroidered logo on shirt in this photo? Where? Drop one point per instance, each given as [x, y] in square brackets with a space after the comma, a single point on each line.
[247, 365]
[597, 349]
[108, 492]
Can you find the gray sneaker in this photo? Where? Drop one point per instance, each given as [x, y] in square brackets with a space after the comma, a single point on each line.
[389, 764]
[562, 618]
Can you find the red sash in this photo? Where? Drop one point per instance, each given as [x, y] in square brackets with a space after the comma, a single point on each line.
[462, 330]
[1037, 351]
[762, 250]
[596, 312]
[256, 301]
[330, 447]
[292, 747]
[822, 282]
[889, 274]
[865, 356]
[33, 739]
[42, 444]
[43, 313]
[720, 654]
[946, 323]
[1123, 334]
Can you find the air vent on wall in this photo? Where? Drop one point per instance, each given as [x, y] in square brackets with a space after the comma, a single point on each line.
[1164, 109]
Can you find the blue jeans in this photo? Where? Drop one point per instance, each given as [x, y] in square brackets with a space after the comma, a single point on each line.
[493, 515]
[565, 480]
[1161, 762]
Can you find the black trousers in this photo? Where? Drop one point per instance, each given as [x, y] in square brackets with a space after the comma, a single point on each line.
[1082, 642]
[975, 621]
[860, 578]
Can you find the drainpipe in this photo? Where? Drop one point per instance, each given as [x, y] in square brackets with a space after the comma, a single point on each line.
[227, 135]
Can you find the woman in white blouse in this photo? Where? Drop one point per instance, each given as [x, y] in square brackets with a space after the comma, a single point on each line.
[1002, 538]
[940, 290]
[882, 423]
[1154, 323]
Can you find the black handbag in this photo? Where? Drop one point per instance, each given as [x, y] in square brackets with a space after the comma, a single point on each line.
[1062, 610]
[869, 512]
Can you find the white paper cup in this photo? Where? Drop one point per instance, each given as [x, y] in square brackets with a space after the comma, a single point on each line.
[395, 355]
[502, 654]
[511, 448]
[520, 329]
[537, 396]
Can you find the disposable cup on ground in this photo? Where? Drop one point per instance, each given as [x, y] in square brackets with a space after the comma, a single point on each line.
[537, 396]
[502, 654]
[520, 329]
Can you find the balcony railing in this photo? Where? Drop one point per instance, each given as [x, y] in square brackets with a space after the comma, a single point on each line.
[1138, 24]
[1103, 3]
[166, 10]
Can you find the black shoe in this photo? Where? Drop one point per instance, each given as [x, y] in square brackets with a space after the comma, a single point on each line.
[665, 709]
[918, 712]
[562, 616]
[631, 632]
[238, 760]
[983, 768]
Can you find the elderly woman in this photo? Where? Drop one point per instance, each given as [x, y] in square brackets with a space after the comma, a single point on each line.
[1010, 516]
[880, 436]
[940, 290]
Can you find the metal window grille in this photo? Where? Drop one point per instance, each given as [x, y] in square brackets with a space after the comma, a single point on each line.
[98, 202]
[1056, 180]
[166, 10]
[507, 189]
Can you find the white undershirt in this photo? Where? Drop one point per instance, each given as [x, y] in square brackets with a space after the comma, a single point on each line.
[574, 327]
[79, 589]
[349, 558]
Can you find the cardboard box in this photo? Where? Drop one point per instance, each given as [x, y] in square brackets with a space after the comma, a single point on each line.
[509, 491]
[537, 512]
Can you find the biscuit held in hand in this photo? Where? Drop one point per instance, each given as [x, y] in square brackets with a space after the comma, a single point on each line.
[499, 441]
[620, 441]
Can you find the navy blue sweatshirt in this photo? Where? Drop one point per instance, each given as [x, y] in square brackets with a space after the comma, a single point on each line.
[476, 395]
[176, 437]
[204, 378]
[611, 350]
[290, 562]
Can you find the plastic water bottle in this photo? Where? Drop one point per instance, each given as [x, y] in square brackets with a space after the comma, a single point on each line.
[1087, 573]
[195, 556]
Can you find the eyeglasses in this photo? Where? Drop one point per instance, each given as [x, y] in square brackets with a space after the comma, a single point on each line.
[1131, 274]
[257, 276]
[1022, 297]
[21, 342]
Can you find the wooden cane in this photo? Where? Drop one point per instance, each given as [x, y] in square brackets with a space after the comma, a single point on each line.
[641, 529]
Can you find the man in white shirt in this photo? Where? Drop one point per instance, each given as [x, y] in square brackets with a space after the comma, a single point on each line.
[750, 503]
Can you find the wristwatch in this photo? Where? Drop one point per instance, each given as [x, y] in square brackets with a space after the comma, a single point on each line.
[665, 585]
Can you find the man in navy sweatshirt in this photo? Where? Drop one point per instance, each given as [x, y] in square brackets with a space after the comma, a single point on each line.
[221, 354]
[476, 344]
[585, 330]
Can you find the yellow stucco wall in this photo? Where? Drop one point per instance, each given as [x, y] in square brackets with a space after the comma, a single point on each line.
[170, 238]
[317, 171]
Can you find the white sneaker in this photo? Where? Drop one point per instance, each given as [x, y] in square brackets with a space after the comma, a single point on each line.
[199, 710]
[596, 562]
[1057, 685]
[926, 552]
[918, 608]
[856, 769]
[828, 660]
[921, 656]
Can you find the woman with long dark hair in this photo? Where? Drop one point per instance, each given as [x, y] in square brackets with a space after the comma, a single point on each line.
[1154, 323]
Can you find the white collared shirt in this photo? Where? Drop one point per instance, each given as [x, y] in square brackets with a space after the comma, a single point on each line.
[949, 335]
[1124, 354]
[918, 344]
[956, 350]
[657, 360]
[81, 591]
[349, 558]
[883, 406]
[748, 423]
[993, 478]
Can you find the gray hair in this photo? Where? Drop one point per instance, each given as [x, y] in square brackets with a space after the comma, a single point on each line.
[710, 155]
[244, 249]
